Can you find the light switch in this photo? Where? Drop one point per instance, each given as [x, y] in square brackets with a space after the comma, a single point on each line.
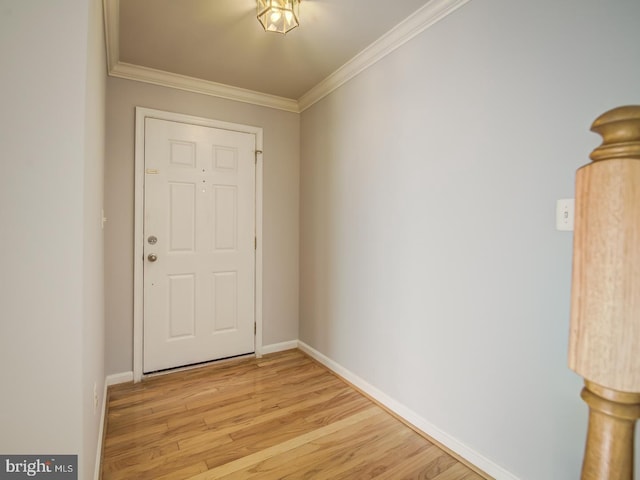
[564, 214]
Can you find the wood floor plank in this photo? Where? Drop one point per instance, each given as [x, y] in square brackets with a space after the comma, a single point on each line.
[331, 460]
[186, 472]
[283, 416]
[458, 472]
[414, 466]
[241, 463]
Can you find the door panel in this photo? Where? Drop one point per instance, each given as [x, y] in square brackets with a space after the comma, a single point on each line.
[225, 208]
[182, 315]
[182, 218]
[200, 206]
[225, 301]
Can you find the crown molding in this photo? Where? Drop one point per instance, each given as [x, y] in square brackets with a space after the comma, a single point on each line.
[196, 85]
[111, 31]
[419, 21]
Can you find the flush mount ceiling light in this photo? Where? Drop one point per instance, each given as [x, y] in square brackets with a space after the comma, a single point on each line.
[278, 15]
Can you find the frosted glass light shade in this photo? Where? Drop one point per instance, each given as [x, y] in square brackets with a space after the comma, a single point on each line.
[278, 16]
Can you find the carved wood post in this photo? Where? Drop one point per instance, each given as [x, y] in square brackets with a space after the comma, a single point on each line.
[605, 297]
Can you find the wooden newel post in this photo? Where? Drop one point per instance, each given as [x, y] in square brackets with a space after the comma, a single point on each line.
[612, 417]
[604, 345]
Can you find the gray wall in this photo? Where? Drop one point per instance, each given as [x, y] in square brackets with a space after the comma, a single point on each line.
[51, 146]
[430, 265]
[281, 131]
[93, 338]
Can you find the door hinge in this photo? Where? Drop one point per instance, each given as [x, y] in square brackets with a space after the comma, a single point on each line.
[256, 155]
[255, 328]
[255, 243]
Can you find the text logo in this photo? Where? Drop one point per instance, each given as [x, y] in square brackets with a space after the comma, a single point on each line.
[44, 467]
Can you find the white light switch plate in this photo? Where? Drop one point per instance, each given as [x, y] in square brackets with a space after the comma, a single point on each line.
[564, 214]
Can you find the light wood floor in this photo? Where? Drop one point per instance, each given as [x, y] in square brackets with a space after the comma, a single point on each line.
[280, 417]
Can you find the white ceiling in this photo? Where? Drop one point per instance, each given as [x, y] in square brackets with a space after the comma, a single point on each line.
[217, 44]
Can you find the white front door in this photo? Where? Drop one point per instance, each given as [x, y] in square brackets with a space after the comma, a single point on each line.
[199, 250]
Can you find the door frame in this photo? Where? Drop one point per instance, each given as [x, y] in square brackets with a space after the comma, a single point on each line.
[142, 114]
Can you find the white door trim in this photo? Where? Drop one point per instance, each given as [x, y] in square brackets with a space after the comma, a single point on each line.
[138, 264]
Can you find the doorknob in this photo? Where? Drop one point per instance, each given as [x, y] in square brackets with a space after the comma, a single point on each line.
[152, 257]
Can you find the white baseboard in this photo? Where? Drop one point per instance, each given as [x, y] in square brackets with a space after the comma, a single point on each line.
[103, 420]
[413, 418]
[116, 378]
[108, 381]
[279, 347]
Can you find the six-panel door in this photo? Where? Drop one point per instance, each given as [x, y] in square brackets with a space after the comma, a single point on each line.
[199, 232]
